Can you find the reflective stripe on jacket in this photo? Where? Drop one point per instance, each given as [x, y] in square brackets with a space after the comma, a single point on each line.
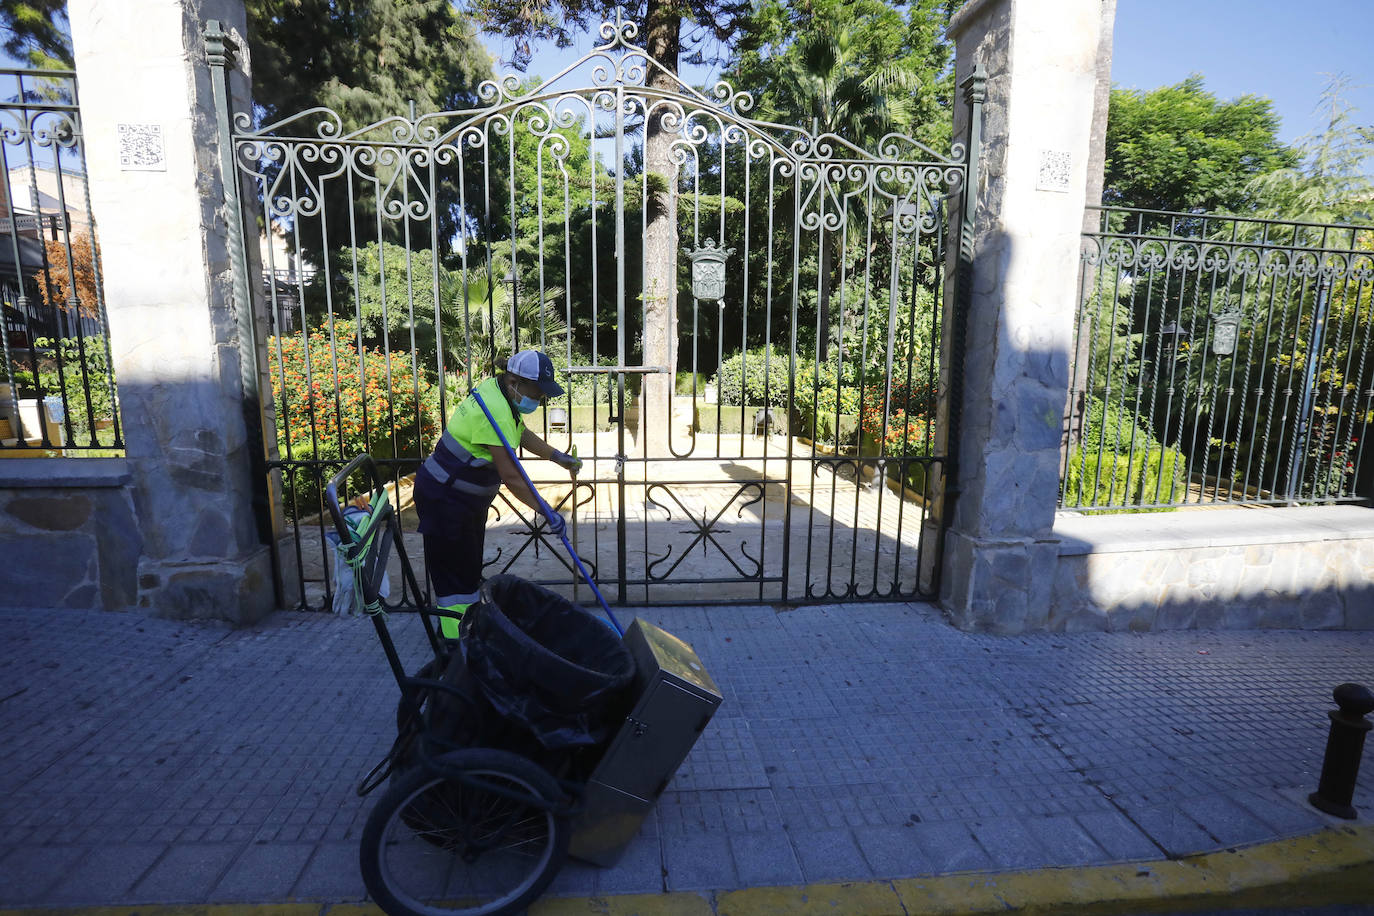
[462, 458]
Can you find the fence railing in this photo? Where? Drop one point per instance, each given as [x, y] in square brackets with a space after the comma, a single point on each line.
[1220, 360]
[57, 386]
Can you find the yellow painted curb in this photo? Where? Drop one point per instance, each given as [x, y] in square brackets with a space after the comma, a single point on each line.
[1334, 866]
[677, 904]
[867, 898]
[1327, 868]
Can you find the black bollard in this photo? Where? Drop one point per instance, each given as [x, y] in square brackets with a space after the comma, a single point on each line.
[1344, 745]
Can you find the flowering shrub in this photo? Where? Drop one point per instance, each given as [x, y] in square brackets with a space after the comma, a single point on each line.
[1330, 463]
[910, 428]
[334, 402]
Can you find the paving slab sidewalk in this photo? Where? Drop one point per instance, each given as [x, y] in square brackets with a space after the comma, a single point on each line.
[871, 746]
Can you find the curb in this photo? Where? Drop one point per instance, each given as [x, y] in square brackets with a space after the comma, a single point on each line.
[1331, 867]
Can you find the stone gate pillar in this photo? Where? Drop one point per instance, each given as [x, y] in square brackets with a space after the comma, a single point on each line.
[1036, 63]
[149, 117]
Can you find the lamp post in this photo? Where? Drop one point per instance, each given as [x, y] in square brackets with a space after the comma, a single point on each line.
[1171, 335]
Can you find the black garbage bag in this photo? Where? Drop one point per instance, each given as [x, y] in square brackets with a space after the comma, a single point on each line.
[545, 664]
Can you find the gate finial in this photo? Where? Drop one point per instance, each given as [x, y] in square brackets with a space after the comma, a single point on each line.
[975, 85]
[219, 44]
[618, 34]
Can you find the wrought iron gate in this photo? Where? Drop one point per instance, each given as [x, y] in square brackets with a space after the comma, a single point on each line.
[791, 457]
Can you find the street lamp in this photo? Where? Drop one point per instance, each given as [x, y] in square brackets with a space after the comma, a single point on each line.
[1172, 336]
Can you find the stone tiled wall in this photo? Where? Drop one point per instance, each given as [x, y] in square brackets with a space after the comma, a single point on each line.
[73, 535]
[1041, 76]
[1299, 568]
[71, 538]
[175, 340]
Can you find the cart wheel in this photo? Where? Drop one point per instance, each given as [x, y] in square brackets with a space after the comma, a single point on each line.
[437, 847]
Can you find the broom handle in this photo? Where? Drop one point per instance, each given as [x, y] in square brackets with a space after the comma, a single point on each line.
[548, 513]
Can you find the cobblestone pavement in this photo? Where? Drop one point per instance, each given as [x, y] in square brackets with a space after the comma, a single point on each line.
[148, 761]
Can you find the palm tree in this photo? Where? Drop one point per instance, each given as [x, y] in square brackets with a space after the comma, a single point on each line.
[478, 327]
[825, 82]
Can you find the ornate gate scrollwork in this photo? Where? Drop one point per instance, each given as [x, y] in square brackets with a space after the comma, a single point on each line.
[805, 302]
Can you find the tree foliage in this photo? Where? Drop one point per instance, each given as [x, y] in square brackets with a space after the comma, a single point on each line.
[58, 288]
[1181, 148]
[857, 68]
[1330, 180]
[707, 23]
[365, 59]
[36, 32]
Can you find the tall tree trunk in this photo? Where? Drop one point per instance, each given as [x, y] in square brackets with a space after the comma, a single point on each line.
[664, 43]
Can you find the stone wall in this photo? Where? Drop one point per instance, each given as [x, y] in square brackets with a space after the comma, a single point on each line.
[70, 533]
[1017, 301]
[1298, 568]
[165, 231]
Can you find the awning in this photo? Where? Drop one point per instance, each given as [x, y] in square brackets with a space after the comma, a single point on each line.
[30, 255]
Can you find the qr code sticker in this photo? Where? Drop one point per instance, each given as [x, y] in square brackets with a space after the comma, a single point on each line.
[140, 148]
[1054, 170]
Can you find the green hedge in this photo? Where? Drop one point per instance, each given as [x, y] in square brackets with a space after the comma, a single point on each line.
[581, 418]
[757, 376]
[820, 426]
[1119, 462]
[730, 421]
[1117, 479]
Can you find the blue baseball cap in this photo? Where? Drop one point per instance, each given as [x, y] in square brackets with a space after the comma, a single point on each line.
[535, 366]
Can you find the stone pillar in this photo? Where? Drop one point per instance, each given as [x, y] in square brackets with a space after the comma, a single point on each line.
[1040, 62]
[149, 119]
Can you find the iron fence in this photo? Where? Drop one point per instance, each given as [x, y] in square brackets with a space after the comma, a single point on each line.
[1220, 360]
[791, 458]
[57, 387]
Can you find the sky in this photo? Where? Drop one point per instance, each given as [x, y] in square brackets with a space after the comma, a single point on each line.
[1280, 49]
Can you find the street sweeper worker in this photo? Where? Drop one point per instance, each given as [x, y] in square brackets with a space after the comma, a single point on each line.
[457, 483]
